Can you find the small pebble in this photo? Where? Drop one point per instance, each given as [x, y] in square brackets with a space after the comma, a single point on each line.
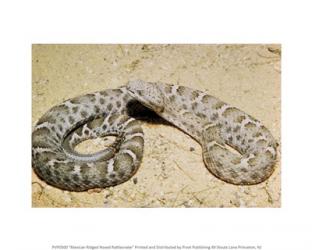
[135, 180]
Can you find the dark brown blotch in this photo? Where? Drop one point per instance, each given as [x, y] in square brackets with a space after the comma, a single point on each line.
[255, 176]
[76, 100]
[172, 98]
[252, 161]
[71, 120]
[103, 93]
[45, 157]
[198, 133]
[206, 98]
[214, 116]
[86, 182]
[269, 155]
[104, 182]
[96, 109]
[218, 105]
[250, 125]
[56, 179]
[229, 111]
[261, 143]
[113, 118]
[112, 175]
[181, 90]
[66, 180]
[125, 98]
[236, 129]
[75, 110]
[243, 170]
[195, 94]
[217, 172]
[201, 115]
[60, 127]
[194, 105]
[75, 177]
[233, 174]
[56, 172]
[91, 97]
[219, 164]
[102, 101]
[79, 131]
[240, 118]
[257, 134]
[41, 132]
[96, 123]
[110, 107]
[236, 161]
[84, 169]
[121, 174]
[48, 172]
[117, 92]
[84, 114]
[47, 118]
[60, 109]
[244, 182]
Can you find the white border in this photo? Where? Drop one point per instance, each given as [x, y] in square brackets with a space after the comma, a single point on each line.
[75, 21]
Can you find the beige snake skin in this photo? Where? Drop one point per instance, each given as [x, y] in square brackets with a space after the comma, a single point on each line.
[213, 123]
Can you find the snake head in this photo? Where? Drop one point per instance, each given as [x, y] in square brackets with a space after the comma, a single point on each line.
[148, 94]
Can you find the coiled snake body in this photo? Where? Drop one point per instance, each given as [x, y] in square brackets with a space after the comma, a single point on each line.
[213, 123]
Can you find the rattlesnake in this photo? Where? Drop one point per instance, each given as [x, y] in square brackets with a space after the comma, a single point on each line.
[213, 123]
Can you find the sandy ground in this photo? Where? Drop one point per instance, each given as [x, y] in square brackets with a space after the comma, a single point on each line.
[172, 173]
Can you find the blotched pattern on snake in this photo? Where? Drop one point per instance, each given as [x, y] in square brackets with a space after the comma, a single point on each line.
[211, 122]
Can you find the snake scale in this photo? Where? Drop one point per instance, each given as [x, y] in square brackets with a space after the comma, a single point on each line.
[217, 126]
